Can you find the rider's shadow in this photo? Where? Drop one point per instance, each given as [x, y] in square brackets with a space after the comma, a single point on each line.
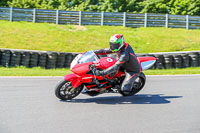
[136, 99]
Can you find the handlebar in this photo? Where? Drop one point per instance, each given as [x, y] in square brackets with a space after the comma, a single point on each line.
[92, 68]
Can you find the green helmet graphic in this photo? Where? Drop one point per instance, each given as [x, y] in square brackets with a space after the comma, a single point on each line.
[116, 42]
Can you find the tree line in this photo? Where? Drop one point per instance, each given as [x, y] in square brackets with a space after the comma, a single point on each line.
[180, 7]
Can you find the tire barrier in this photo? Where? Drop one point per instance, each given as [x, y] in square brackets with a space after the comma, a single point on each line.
[25, 58]
[68, 59]
[186, 60]
[194, 59]
[5, 59]
[15, 58]
[60, 60]
[160, 61]
[49, 60]
[178, 61]
[42, 60]
[33, 59]
[168, 61]
[0, 57]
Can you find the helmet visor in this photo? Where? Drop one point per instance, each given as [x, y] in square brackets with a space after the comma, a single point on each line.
[114, 46]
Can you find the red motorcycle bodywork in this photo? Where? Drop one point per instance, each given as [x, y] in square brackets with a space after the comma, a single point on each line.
[80, 71]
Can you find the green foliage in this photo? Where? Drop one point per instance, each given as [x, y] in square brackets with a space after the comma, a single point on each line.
[3, 3]
[154, 6]
[182, 7]
[185, 7]
[41, 4]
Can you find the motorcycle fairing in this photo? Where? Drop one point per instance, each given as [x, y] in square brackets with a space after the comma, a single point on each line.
[87, 78]
[146, 62]
[74, 79]
[78, 80]
[105, 62]
[82, 68]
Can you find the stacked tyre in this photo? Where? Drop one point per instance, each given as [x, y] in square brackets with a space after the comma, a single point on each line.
[178, 61]
[33, 59]
[68, 59]
[51, 60]
[194, 59]
[186, 60]
[15, 58]
[168, 61]
[159, 61]
[60, 60]
[25, 58]
[42, 60]
[0, 58]
[5, 58]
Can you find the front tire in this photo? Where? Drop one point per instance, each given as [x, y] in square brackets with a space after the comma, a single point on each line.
[65, 91]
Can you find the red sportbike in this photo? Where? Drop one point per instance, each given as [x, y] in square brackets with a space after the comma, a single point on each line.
[84, 80]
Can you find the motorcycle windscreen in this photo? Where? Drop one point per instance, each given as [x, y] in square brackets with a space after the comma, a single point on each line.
[146, 62]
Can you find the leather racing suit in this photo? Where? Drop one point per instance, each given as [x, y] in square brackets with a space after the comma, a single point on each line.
[128, 61]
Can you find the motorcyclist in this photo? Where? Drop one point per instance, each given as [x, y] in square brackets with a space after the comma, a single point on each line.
[126, 59]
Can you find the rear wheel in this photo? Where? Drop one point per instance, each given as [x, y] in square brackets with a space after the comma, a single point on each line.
[137, 86]
[65, 91]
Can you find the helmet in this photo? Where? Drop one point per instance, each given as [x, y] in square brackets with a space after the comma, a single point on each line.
[116, 42]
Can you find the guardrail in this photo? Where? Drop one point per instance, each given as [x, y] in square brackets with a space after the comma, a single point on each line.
[100, 18]
[49, 59]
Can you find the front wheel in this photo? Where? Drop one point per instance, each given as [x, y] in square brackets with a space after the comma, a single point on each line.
[65, 91]
[137, 86]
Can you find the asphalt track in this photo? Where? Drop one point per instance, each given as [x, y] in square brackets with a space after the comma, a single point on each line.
[167, 104]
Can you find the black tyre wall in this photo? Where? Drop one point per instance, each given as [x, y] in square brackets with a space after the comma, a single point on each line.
[68, 59]
[168, 61]
[51, 60]
[25, 59]
[34, 59]
[186, 60]
[194, 59]
[30, 58]
[60, 60]
[0, 58]
[42, 60]
[15, 58]
[5, 58]
[178, 61]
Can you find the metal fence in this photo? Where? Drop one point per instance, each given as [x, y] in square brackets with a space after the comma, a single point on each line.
[100, 18]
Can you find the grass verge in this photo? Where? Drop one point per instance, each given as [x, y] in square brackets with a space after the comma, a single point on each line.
[37, 71]
[192, 70]
[22, 71]
[71, 38]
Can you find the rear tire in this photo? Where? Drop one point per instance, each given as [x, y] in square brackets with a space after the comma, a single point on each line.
[137, 86]
[65, 91]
